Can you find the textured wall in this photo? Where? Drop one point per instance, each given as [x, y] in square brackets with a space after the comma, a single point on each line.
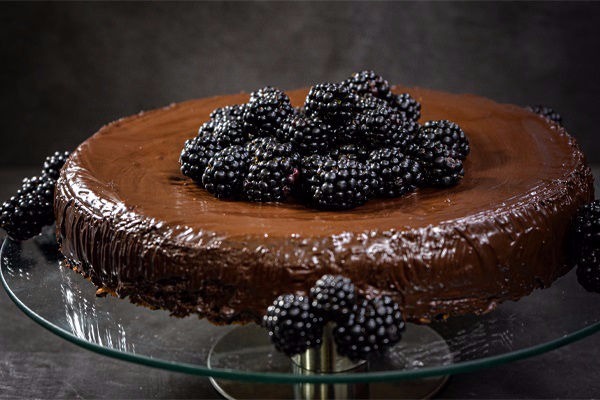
[67, 68]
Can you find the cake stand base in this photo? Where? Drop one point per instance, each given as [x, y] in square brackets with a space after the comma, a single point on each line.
[249, 347]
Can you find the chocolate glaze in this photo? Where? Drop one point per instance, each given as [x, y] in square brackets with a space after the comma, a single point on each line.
[131, 221]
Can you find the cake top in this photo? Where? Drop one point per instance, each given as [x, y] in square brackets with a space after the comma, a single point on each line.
[133, 165]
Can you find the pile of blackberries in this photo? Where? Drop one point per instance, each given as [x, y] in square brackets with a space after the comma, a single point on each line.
[362, 327]
[351, 141]
[24, 215]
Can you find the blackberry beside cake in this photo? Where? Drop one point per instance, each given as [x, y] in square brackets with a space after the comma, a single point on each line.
[131, 221]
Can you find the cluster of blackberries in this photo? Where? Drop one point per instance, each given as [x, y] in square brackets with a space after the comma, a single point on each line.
[24, 215]
[547, 113]
[351, 141]
[585, 246]
[362, 327]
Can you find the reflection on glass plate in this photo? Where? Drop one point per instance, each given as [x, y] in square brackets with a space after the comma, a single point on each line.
[65, 303]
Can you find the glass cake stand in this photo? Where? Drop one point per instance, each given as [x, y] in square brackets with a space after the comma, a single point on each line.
[233, 356]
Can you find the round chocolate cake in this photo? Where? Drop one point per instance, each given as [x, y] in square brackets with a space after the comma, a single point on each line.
[128, 219]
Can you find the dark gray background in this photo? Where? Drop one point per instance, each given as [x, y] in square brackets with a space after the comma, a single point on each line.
[68, 68]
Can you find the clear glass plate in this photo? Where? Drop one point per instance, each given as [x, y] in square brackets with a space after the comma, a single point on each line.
[65, 303]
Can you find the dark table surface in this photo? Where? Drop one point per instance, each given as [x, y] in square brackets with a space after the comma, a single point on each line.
[35, 363]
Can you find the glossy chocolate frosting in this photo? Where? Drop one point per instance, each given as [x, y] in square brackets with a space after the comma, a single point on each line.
[128, 218]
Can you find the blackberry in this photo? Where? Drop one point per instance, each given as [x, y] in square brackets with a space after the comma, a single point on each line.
[407, 106]
[447, 133]
[266, 111]
[224, 174]
[333, 103]
[547, 113]
[42, 185]
[382, 126]
[309, 166]
[397, 173]
[354, 151]
[368, 82]
[411, 128]
[24, 215]
[340, 185]
[293, 325]
[308, 135]
[369, 102]
[586, 226]
[588, 270]
[271, 179]
[197, 152]
[229, 132]
[371, 327]
[333, 296]
[234, 112]
[444, 172]
[54, 163]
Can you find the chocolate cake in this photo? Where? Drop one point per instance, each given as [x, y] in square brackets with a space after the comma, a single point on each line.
[128, 219]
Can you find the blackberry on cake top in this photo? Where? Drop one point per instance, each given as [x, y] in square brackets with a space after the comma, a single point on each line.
[367, 82]
[224, 174]
[331, 102]
[340, 185]
[266, 111]
[397, 173]
[547, 113]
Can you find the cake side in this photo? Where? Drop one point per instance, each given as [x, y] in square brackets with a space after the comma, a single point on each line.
[452, 266]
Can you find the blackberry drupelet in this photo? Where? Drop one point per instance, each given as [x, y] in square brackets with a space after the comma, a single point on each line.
[333, 296]
[24, 215]
[340, 185]
[447, 133]
[397, 173]
[224, 174]
[371, 327]
[293, 325]
[368, 82]
[407, 106]
[266, 111]
[54, 163]
[235, 112]
[333, 103]
[588, 269]
[271, 179]
[382, 126]
[308, 135]
[547, 113]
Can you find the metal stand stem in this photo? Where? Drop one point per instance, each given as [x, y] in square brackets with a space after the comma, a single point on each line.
[249, 348]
